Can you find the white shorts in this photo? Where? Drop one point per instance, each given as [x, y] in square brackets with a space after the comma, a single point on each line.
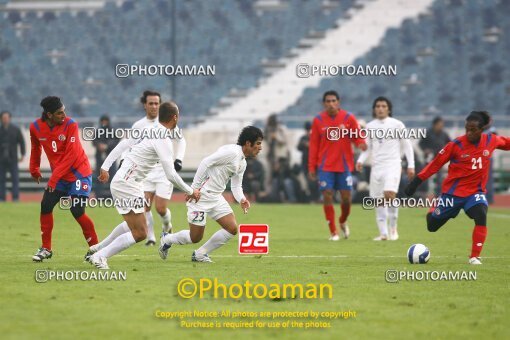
[384, 179]
[215, 207]
[157, 183]
[127, 195]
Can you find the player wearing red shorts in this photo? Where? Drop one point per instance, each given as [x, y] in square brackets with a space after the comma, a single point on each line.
[331, 158]
[469, 156]
[71, 174]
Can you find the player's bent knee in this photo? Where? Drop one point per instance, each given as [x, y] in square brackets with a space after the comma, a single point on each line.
[161, 210]
[233, 230]
[77, 211]
[478, 213]
[433, 224]
[47, 204]
[196, 238]
[139, 234]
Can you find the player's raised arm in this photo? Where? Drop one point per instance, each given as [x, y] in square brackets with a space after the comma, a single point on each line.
[35, 155]
[164, 151]
[503, 143]
[124, 145]
[433, 167]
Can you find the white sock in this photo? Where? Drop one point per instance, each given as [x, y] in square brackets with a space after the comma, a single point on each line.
[218, 239]
[182, 237]
[119, 230]
[150, 226]
[381, 214]
[393, 216]
[166, 220]
[121, 243]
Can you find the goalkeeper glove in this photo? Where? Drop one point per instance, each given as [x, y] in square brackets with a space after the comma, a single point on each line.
[178, 165]
[411, 187]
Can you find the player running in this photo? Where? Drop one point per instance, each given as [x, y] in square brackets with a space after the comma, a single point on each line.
[127, 187]
[157, 187]
[331, 155]
[386, 165]
[71, 172]
[469, 156]
[228, 163]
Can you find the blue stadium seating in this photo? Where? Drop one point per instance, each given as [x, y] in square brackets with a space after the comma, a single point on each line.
[227, 34]
[465, 73]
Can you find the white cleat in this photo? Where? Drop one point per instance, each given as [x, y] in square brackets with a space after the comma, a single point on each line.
[200, 258]
[334, 238]
[393, 234]
[475, 260]
[345, 230]
[381, 238]
[163, 247]
[99, 262]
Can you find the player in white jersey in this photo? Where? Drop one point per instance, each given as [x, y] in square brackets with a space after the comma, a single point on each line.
[228, 163]
[127, 187]
[386, 165]
[157, 187]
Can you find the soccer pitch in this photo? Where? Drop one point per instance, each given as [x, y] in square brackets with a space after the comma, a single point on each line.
[299, 253]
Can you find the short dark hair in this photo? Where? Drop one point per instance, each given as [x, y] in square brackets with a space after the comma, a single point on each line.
[330, 93]
[143, 98]
[167, 111]
[249, 134]
[5, 112]
[482, 117]
[50, 104]
[382, 99]
[437, 120]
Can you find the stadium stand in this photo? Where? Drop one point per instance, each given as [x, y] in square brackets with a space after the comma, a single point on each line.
[42, 36]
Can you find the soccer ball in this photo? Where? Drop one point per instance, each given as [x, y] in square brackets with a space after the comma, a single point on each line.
[418, 253]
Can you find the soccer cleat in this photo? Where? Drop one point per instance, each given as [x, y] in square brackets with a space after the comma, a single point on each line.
[381, 238]
[393, 234]
[475, 260]
[200, 258]
[163, 247]
[334, 238]
[150, 243]
[42, 254]
[345, 230]
[99, 262]
[87, 256]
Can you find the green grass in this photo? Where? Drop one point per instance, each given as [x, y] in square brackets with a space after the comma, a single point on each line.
[356, 269]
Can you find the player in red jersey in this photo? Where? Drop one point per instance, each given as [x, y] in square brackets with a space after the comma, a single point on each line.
[469, 157]
[331, 158]
[71, 173]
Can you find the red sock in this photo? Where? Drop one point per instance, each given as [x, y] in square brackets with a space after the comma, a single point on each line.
[346, 210]
[329, 211]
[479, 235]
[87, 226]
[46, 229]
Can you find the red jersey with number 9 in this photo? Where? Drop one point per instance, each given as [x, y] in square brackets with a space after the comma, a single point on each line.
[468, 171]
[63, 148]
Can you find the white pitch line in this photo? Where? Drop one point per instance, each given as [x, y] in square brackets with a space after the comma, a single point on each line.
[281, 256]
[498, 215]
